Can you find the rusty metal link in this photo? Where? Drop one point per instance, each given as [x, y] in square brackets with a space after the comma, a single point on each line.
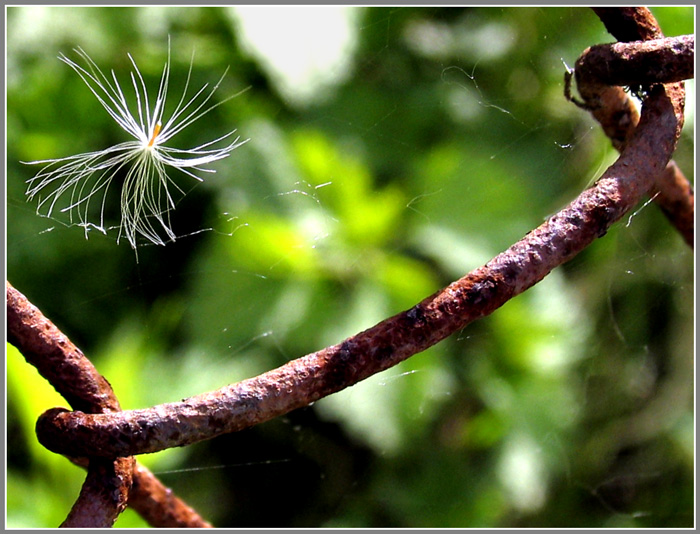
[106, 489]
[317, 375]
[642, 58]
[104, 493]
[666, 60]
[629, 23]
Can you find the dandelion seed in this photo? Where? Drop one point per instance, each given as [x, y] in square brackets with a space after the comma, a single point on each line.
[83, 181]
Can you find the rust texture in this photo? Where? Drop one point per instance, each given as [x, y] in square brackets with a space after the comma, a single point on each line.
[106, 488]
[629, 23]
[159, 505]
[105, 491]
[639, 63]
[55, 357]
[613, 108]
[476, 295]
[674, 195]
[108, 481]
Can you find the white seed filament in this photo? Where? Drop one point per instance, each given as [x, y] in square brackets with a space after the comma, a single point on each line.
[139, 168]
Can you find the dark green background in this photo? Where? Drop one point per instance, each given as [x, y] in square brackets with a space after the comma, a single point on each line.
[571, 406]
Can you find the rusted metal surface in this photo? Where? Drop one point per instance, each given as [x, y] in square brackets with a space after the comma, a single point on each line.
[673, 193]
[476, 295]
[55, 357]
[104, 494]
[629, 23]
[624, 63]
[108, 482]
[159, 505]
[106, 488]
[666, 60]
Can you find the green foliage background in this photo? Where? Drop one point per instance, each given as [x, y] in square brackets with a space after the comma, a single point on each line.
[446, 141]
